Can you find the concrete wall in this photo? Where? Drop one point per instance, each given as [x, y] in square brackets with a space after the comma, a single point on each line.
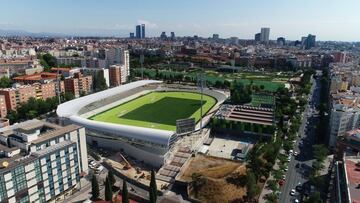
[139, 154]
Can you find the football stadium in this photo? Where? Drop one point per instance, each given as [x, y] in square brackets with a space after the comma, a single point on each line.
[140, 118]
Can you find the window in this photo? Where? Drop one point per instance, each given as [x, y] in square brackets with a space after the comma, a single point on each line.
[24, 199]
[3, 193]
[19, 178]
[38, 171]
[41, 195]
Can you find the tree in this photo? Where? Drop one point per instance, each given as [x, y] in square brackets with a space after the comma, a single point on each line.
[271, 198]
[67, 96]
[94, 188]
[272, 185]
[320, 152]
[48, 61]
[111, 178]
[252, 189]
[124, 193]
[108, 190]
[99, 82]
[314, 198]
[152, 188]
[5, 82]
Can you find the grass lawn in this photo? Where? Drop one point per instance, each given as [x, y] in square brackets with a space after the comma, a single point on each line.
[158, 110]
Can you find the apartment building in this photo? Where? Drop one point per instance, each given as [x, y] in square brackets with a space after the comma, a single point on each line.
[97, 72]
[40, 161]
[115, 75]
[79, 84]
[3, 109]
[17, 95]
[119, 56]
[344, 116]
[45, 91]
[72, 85]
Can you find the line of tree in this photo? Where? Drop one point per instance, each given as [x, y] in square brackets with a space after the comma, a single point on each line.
[320, 153]
[95, 192]
[109, 184]
[323, 125]
[47, 61]
[305, 84]
[125, 193]
[108, 190]
[263, 156]
[152, 188]
[99, 82]
[5, 82]
[33, 108]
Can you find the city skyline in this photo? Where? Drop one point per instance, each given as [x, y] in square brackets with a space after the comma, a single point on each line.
[338, 20]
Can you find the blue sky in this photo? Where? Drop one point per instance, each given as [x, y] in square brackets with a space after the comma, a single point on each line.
[328, 19]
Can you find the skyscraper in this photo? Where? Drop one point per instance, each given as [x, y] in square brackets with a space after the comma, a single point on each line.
[142, 31]
[264, 35]
[215, 36]
[310, 41]
[257, 37]
[132, 35]
[172, 35]
[138, 32]
[163, 35]
[280, 41]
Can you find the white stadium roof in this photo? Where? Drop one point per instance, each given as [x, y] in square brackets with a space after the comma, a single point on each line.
[71, 108]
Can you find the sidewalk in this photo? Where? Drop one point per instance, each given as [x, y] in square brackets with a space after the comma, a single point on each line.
[265, 190]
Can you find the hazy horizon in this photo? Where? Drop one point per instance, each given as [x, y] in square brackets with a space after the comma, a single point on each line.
[327, 19]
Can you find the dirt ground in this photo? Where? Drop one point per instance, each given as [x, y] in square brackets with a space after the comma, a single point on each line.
[216, 173]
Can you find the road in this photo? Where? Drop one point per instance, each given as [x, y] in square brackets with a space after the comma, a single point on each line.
[299, 167]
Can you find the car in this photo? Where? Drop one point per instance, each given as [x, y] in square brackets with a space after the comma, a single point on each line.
[296, 201]
[295, 153]
[299, 188]
[292, 192]
[291, 151]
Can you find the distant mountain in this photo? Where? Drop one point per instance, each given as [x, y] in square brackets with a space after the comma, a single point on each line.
[82, 32]
[8, 33]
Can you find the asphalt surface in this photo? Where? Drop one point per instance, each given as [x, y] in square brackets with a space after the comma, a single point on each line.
[299, 167]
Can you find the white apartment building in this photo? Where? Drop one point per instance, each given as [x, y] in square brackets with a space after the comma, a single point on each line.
[344, 117]
[119, 56]
[40, 161]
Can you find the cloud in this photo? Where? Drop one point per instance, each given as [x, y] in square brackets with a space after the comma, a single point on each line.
[148, 24]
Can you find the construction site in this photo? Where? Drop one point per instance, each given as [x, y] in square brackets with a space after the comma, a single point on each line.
[212, 179]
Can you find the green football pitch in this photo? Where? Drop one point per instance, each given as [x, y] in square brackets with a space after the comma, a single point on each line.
[158, 110]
